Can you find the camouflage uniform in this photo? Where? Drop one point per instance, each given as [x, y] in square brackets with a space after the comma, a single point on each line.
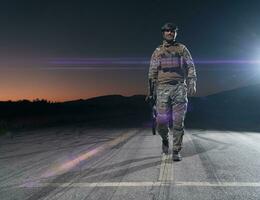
[171, 67]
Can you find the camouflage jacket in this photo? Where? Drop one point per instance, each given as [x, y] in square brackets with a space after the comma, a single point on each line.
[171, 61]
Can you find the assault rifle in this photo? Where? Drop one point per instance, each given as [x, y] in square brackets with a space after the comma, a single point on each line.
[152, 102]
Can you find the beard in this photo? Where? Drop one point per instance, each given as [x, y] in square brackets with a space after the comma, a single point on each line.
[169, 38]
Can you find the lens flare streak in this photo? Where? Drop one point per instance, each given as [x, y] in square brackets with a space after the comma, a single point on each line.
[67, 166]
[133, 63]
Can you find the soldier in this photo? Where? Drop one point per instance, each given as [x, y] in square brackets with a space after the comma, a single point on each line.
[173, 73]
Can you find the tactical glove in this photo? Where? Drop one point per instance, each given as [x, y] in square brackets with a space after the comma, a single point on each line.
[150, 99]
[147, 98]
[191, 86]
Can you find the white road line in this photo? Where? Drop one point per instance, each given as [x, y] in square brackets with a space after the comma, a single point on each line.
[219, 184]
[144, 184]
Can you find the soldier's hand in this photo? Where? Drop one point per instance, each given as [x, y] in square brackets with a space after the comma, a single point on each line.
[191, 85]
[148, 98]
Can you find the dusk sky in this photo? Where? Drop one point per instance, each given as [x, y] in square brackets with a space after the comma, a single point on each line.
[67, 50]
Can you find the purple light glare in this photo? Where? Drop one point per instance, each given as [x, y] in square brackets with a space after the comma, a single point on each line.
[136, 61]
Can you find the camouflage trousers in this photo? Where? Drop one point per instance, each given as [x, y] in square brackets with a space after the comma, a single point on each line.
[171, 106]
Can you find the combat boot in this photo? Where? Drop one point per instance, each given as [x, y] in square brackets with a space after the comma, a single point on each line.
[165, 146]
[176, 156]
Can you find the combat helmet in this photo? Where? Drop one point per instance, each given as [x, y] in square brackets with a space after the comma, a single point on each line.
[169, 26]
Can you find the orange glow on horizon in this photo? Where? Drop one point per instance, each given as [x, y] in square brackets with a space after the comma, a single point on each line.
[60, 86]
[61, 99]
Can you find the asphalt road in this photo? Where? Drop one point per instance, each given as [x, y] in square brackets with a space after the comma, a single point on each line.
[82, 163]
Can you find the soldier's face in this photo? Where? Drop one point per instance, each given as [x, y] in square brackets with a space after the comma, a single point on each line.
[169, 35]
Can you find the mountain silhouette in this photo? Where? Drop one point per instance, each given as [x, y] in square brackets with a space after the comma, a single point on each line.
[236, 109]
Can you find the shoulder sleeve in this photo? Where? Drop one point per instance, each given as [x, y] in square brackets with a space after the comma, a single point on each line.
[188, 61]
[153, 69]
[154, 64]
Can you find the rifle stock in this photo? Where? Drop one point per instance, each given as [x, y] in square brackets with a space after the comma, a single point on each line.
[152, 103]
